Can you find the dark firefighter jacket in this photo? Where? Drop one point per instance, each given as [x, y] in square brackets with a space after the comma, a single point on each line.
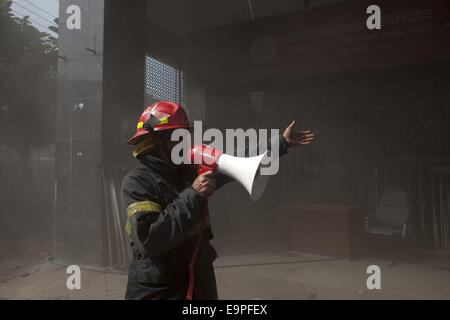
[163, 218]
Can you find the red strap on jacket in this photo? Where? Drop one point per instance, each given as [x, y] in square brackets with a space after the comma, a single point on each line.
[194, 256]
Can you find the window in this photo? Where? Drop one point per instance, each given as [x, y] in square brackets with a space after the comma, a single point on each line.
[163, 82]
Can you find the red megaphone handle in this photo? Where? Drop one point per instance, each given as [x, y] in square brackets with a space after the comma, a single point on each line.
[202, 169]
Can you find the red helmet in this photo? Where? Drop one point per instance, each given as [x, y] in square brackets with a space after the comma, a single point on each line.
[168, 115]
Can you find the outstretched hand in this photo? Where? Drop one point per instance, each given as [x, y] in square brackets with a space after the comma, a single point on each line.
[295, 138]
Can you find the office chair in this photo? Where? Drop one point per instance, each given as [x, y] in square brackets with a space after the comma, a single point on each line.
[391, 219]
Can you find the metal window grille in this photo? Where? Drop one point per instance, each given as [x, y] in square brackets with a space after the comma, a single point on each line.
[163, 82]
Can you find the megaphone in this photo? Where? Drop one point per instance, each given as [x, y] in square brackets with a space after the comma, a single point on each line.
[247, 171]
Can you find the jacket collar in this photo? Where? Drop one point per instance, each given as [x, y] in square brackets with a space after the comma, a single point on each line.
[158, 165]
[165, 170]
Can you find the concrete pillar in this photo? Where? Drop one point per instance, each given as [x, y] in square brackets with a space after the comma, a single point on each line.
[100, 92]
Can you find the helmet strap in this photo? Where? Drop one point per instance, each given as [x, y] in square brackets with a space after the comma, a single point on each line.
[150, 142]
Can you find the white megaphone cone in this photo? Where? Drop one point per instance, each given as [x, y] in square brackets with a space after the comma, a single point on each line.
[246, 171]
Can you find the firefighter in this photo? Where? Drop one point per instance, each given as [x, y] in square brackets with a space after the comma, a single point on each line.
[164, 205]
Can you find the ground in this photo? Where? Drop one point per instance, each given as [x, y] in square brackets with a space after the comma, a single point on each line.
[290, 275]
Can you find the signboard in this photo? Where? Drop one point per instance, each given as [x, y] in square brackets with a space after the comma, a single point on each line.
[328, 39]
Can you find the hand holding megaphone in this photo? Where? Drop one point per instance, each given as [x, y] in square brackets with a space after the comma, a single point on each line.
[205, 184]
[244, 170]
